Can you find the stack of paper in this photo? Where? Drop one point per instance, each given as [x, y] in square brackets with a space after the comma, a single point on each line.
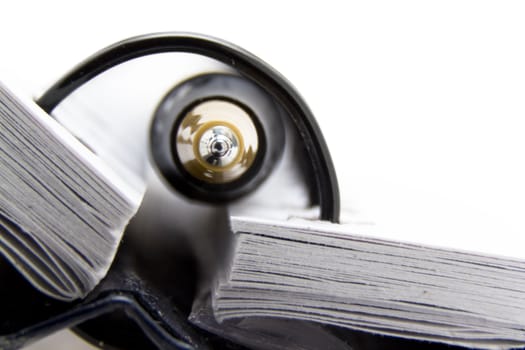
[62, 209]
[330, 274]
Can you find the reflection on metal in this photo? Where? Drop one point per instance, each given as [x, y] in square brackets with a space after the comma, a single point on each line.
[216, 141]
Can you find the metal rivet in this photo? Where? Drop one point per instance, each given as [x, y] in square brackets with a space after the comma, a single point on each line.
[217, 141]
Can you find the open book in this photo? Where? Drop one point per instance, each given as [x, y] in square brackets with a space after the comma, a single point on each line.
[334, 274]
[63, 210]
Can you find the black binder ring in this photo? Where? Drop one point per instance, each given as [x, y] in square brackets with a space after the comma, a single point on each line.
[326, 192]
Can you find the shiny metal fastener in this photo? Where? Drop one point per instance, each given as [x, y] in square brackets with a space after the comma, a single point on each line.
[217, 141]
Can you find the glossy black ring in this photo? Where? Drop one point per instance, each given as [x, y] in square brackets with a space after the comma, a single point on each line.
[264, 113]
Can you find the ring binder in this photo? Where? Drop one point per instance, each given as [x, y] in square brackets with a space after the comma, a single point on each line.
[124, 288]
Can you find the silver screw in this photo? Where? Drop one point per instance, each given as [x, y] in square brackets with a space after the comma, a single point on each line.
[219, 146]
[217, 141]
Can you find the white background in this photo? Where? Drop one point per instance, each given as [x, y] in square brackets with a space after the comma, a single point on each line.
[422, 103]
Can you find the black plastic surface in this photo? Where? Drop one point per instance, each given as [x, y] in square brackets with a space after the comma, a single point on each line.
[127, 301]
[130, 301]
